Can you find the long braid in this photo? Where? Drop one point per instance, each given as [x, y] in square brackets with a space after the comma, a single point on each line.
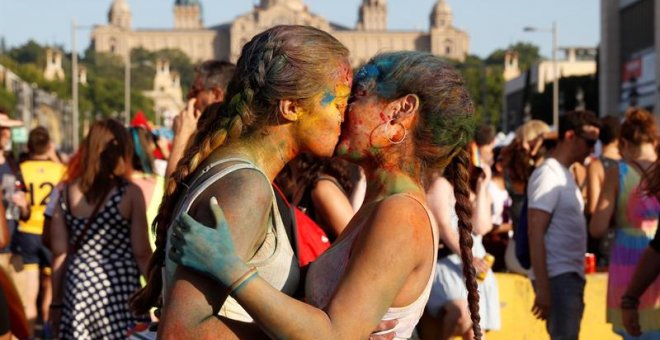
[457, 174]
[281, 72]
[201, 145]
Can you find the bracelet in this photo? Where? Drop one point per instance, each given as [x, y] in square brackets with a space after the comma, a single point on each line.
[248, 276]
[629, 302]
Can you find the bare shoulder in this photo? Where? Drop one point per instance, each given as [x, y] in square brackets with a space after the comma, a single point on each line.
[401, 218]
[133, 191]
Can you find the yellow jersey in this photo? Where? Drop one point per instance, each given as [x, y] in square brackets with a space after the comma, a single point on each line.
[40, 177]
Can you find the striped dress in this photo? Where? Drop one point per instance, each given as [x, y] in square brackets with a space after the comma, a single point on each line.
[636, 219]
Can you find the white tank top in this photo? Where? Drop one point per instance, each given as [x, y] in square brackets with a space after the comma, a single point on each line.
[325, 273]
[275, 260]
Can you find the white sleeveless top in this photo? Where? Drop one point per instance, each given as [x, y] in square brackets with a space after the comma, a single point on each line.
[327, 270]
[275, 260]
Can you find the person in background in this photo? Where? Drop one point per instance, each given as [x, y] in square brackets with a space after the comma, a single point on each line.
[209, 87]
[648, 267]
[610, 131]
[99, 238]
[497, 240]
[484, 140]
[447, 313]
[519, 160]
[321, 190]
[41, 175]
[623, 197]
[557, 228]
[143, 174]
[13, 191]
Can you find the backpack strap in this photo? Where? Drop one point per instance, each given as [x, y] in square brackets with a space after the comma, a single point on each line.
[288, 218]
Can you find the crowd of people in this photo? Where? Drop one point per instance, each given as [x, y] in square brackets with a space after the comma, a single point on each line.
[300, 199]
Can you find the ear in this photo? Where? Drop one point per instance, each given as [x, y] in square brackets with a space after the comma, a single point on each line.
[406, 109]
[218, 94]
[291, 110]
[569, 135]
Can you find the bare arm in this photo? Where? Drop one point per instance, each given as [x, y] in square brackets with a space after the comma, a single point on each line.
[375, 280]
[4, 229]
[482, 216]
[332, 205]
[139, 228]
[59, 243]
[440, 201]
[600, 221]
[538, 222]
[194, 299]
[595, 176]
[185, 124]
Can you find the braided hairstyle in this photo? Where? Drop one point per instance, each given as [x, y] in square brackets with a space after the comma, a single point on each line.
[445, 126]
[283, 62]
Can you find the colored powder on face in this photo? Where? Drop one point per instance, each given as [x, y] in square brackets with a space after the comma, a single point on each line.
[328, 98]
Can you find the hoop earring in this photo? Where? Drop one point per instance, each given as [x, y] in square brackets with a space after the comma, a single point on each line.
[388, 135]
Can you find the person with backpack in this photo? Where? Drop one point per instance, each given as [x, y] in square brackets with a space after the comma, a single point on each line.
[557, 228]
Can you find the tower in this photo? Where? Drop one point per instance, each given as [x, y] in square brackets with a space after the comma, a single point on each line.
[53, 69]
[296, 5]
[372, 15]
[441, 15]
[187, 14]
[511, 69]
[120, 14]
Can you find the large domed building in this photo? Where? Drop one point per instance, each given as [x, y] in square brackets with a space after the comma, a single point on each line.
[225, 41]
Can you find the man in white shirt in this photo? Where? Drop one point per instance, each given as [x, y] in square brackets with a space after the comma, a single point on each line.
[557, 228]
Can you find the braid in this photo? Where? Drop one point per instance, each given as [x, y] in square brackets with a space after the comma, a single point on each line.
[458, 176]
[207, 138]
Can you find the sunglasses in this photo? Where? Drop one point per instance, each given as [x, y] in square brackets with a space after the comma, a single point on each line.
[590, 142]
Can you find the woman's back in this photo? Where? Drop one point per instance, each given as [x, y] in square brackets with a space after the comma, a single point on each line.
[634, 210]
[102, 272]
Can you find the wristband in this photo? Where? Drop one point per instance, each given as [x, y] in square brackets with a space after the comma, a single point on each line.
[629, 302]
[247, 276]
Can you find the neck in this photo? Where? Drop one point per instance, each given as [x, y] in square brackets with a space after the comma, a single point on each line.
[384, 182]
[39, 157]
[643, 153]
[269, 149]
[611, 151]
[564, 155]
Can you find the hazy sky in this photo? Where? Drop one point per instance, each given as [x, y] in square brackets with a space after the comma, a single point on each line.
[491, 24]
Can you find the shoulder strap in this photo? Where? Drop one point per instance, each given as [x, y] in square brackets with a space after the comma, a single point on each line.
[288, 216]
[89, 222]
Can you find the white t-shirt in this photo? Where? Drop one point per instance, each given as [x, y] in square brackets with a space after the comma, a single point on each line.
[500, 200]
[552, 189]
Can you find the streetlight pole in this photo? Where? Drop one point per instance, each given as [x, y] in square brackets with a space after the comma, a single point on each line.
[74, 87]
[127, 88]
[555, 70]
[555, 81]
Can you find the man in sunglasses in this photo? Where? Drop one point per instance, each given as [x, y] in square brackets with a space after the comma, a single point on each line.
[557, 228]
[209, 87]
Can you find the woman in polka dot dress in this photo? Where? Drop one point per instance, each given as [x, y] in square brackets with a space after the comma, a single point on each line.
[99, 240]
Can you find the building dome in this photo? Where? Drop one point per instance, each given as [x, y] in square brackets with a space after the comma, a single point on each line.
[441, 15]
[187, 3]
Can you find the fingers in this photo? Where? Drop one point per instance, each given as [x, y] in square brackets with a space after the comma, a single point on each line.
[175, 255]
[218, 214]
[386, 325]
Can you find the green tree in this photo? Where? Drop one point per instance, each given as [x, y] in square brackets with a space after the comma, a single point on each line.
[528, 54]
[7, 100]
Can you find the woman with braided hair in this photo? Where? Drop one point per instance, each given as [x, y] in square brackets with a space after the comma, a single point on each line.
[287, 96]
[410, 117]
